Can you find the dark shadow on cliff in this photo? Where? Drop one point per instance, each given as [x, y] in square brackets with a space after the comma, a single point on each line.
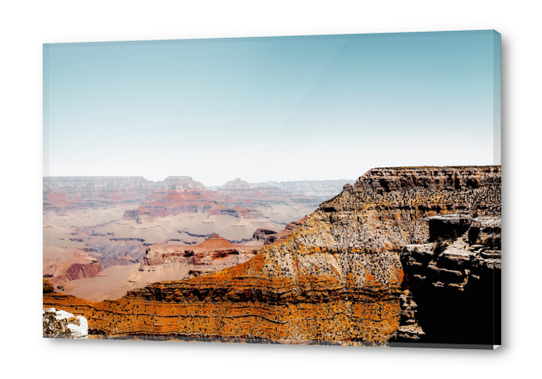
[506, 161]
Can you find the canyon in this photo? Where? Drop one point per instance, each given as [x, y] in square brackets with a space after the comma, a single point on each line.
[407, 256]
[97, 230]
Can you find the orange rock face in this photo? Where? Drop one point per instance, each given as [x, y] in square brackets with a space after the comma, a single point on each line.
[338, 279]
[47, 286]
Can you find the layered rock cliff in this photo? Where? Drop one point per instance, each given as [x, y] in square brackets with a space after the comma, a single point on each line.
[338, 279]
[455, 279]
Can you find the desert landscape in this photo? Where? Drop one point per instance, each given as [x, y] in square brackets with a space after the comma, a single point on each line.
[404, 256]
[104, 236]
[315, 190]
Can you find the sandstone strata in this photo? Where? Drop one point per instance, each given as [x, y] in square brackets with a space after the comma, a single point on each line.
[338, 279]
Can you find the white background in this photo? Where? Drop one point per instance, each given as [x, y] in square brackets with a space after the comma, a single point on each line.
[26, 25]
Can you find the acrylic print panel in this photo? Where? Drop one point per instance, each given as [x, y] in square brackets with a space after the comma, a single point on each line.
[339, 190]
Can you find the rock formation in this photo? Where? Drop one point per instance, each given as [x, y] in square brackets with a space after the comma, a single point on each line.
[78, 265]
[235, 184]
[61, 324]
[338, 279]
[53, 327]
[270, 237]
[212, 255]
[180, 183]
[455, 279]
[47, 286]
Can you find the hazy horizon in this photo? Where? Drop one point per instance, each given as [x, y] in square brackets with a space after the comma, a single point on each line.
[195, 179]
[271, 108]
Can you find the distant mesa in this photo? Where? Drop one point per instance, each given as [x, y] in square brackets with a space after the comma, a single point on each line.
[181, 182]
[214, 242]
[236, 184]
[212, 255]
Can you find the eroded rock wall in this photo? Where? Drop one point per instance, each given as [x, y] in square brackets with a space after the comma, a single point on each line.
[455, 279]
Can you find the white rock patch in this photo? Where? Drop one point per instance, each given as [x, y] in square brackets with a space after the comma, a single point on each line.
[78, 331]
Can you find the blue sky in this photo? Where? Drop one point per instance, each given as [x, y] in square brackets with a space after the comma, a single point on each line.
[274, 108]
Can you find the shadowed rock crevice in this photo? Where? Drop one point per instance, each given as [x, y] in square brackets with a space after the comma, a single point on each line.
[456, 280]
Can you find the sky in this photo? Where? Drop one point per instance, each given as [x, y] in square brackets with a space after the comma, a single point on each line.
[271, 108]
